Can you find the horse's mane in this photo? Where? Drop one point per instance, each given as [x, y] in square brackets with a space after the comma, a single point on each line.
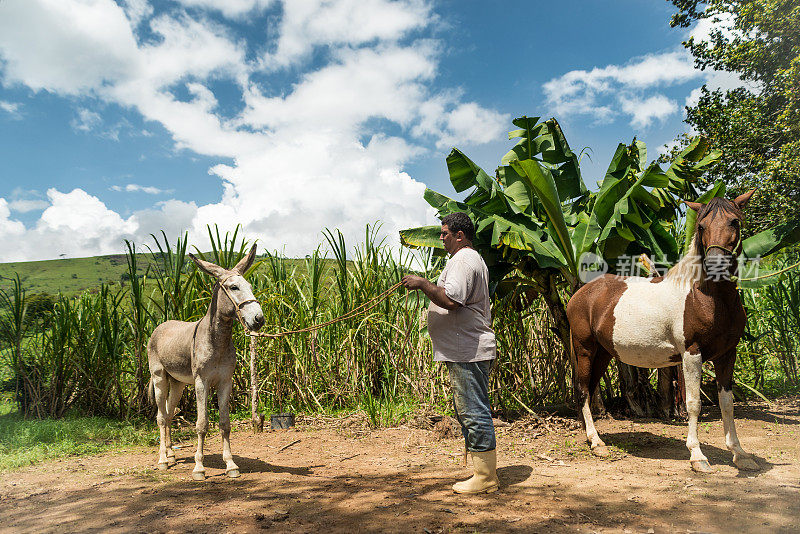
[690, 269]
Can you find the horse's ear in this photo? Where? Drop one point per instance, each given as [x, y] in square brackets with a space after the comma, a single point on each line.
[741, 200]
[211, 268]
[246, 262]
[694, 205]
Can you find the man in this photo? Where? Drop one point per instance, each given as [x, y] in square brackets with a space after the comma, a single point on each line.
[459, 323]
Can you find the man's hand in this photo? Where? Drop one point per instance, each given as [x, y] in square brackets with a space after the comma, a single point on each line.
[431, 290]
[411, 281]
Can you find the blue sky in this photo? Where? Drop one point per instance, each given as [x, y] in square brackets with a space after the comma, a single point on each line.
[120, 119]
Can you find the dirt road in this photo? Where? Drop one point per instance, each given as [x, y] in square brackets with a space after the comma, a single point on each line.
[398, 480]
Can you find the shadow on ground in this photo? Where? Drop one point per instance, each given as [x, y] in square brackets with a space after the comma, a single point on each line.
[643, 444]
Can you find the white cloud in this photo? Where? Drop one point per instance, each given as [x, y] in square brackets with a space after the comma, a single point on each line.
[592, 93]
[721, 22]
[694, 97]
[134, 188]
[65, 47]
[643, 111]
[309, 23]
[188, 48]
[174, 217]
[636, 88]
[361, 84]
[452, 122]
[85, 215]
[471, 124]
[26, 205]
[9, 228]
[86, 121]
[12, 108]
[137, 10]
[230, 8]
[328, 151]
[74, 223]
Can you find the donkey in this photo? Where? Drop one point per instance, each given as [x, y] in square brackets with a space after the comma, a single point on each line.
[202, 353]
[691, 315]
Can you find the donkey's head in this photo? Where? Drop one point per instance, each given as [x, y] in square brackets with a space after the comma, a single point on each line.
[233, 293]
[718, 237]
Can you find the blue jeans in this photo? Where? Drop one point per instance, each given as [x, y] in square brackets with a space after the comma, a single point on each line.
[470, 382]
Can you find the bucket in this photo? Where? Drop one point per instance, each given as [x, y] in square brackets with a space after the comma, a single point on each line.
[281, 420]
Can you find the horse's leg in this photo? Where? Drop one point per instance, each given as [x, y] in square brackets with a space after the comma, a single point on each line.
[665, 391]
[175, 392]
[599, 365]
[224, 400]
[201, 392]
[693, 372]
[723, 368]
[586, 352]
[161, 391]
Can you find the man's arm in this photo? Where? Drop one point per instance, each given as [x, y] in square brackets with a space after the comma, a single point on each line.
[431, 290]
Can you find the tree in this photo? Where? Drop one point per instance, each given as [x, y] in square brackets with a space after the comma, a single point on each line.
[756, 126]
[40, 308]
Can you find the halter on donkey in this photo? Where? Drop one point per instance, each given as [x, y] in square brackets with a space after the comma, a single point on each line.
[684, 317]
[202, 353]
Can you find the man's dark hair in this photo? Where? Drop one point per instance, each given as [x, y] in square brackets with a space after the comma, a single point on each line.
[460, 222]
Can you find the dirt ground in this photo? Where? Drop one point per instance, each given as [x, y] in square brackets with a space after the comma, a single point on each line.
[324, 478]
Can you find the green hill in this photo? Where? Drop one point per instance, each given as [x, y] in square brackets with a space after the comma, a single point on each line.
[70, 276]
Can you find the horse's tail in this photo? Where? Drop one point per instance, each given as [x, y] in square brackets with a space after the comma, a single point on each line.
[574, 364]
[151, 391]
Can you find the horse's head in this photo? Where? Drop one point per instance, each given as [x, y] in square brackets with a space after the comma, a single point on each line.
[718, 235]
[235, 295]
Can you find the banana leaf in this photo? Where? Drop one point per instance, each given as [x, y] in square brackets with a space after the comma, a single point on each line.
[769, 241]
[541, 181]
[422, 236]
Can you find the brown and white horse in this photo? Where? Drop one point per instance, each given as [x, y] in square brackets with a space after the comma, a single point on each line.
[686, 317]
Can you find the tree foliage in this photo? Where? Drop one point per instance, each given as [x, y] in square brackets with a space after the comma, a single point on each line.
[757, 125]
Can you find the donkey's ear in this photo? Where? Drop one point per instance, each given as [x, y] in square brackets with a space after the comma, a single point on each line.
[694, 205]
[211, 268]
[741, 200]
[246, 262]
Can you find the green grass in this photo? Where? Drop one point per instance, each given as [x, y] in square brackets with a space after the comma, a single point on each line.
[25, 442]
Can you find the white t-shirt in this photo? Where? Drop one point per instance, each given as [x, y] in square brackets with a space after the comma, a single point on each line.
[464, 334]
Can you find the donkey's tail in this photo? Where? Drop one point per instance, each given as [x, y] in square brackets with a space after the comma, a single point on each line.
[151, 391]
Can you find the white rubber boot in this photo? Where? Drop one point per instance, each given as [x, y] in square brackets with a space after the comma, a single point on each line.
[485, 478]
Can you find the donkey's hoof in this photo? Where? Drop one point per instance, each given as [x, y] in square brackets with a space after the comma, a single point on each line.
[746, 463]
[233, 473]
[601, 451]
[162, 466]
[701, 466]
[199, 475]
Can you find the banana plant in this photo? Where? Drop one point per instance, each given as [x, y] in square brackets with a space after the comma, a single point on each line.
[537, 214]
